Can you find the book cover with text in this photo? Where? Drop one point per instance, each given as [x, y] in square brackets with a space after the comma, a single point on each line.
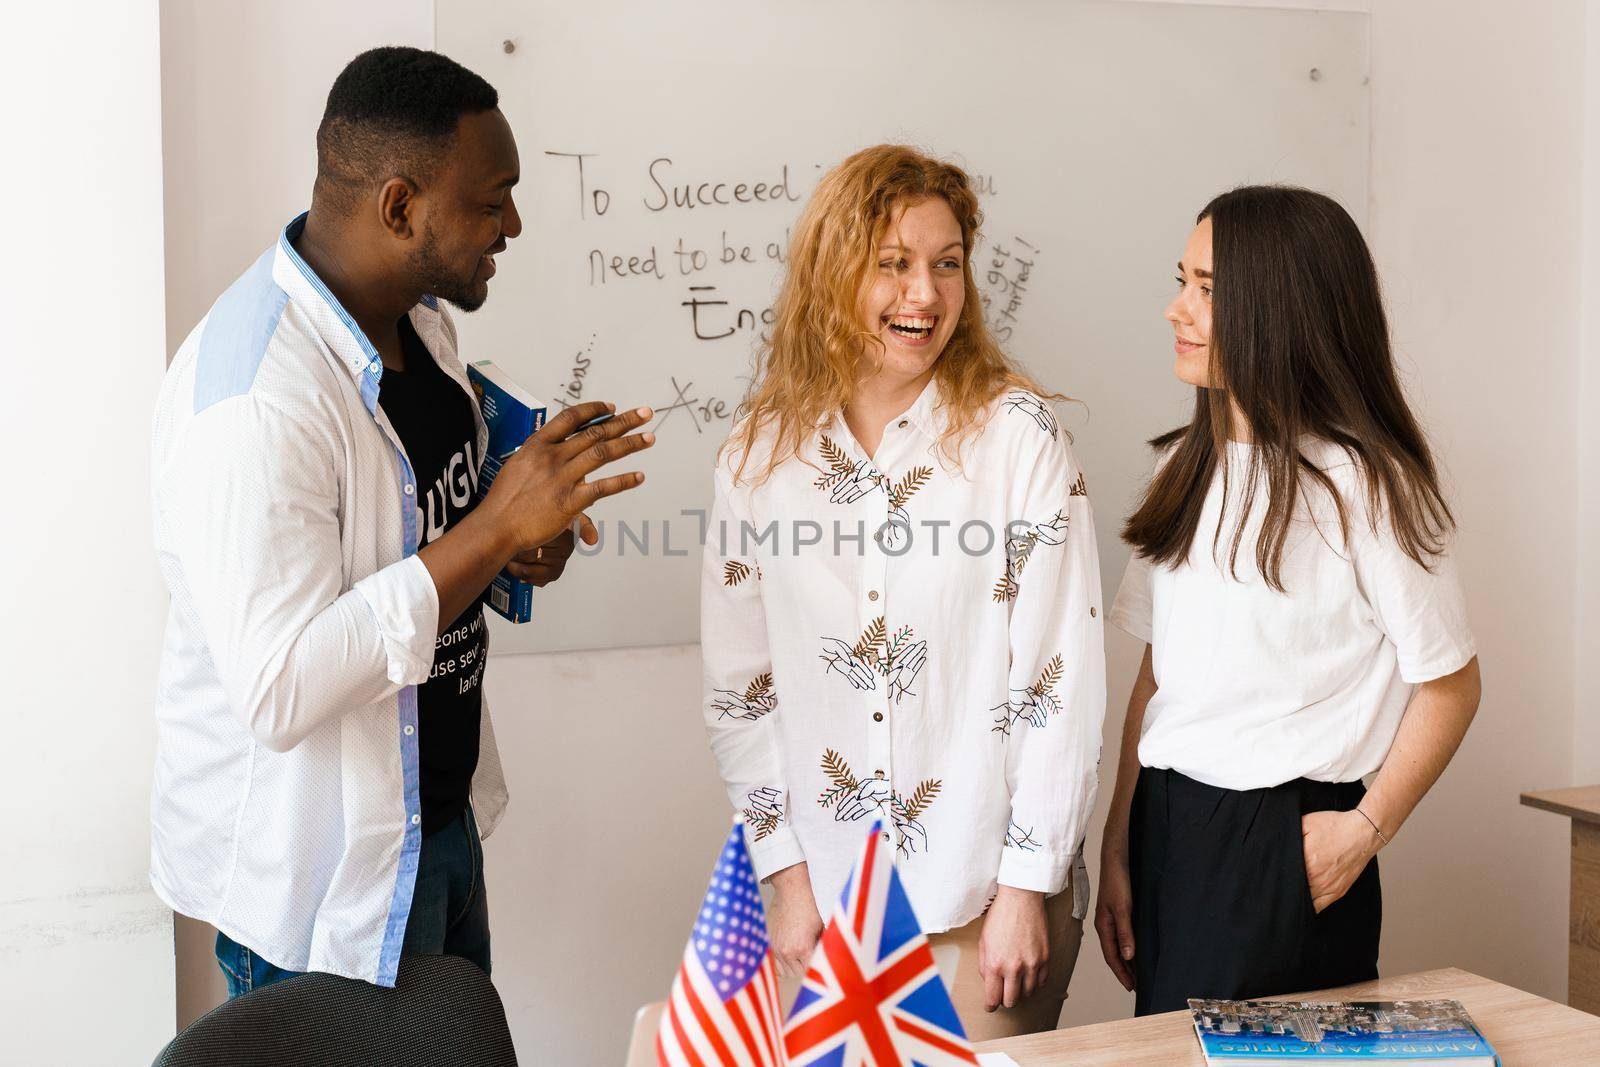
[512, 415]
[1267, 1033]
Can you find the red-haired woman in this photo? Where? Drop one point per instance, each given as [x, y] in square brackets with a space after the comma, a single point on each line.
[901, 600]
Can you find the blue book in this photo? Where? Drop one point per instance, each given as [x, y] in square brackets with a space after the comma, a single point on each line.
[1285, 1033]
[512, 416]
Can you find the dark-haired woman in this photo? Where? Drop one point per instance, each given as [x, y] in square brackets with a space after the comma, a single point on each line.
[1304, 624]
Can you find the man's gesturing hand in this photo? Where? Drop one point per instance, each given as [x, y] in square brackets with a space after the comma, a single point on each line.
[540, 491]
[543, 565]
[544, 485]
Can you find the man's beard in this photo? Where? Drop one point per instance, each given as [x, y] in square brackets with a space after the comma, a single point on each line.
[435, 277]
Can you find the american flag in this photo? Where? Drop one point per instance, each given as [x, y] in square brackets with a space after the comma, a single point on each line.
[723, 1011]
[872, 996]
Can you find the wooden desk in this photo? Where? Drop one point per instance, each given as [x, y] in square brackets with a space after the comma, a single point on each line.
[1583, 907]
[1526, 1030]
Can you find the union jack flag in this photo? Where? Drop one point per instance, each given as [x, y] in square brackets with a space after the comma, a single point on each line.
[723, 1011]
[872, 996]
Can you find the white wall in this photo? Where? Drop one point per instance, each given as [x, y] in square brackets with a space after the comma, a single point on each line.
[81, 299]
[243, 86]
[1586, 736]
[1480, 215]
[1477, 213]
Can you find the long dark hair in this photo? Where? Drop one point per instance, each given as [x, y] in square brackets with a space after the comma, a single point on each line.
[1300, 342]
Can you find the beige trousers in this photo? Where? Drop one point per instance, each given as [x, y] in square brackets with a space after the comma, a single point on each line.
[1037, 1013]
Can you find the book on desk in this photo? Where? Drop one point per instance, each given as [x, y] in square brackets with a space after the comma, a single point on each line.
[511, 415]
[1280, 1033]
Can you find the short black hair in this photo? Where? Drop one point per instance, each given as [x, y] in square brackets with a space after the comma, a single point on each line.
[392, 112]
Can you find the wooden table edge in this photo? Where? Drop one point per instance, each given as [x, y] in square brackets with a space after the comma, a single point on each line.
[1581, 803]
[1452, 983]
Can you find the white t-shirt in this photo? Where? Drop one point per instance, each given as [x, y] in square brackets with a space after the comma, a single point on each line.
[1258, 687]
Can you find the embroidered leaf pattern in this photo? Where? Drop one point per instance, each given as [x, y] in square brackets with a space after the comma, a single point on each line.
[1036, 704]
[853, 800]
[734, 572]
[1048, 677]
[763, 823]
[902, 663]
[760, 687]
[893, 648]
[871, 638]
[837, 770]
[1019, 551]
[907, 487]
[840, 774]
[837, 457]
[921, 797]
[899, 659]
[758, 699]
[765, 811]
[839, 463]
[1007, 587]
[1024, 552]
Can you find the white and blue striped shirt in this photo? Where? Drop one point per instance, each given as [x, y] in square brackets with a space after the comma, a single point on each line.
[286, 809]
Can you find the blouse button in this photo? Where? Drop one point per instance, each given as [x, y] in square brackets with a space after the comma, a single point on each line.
[872, 594]
[877, 774]
[877, 716]
[1091, 613]
[903, 424]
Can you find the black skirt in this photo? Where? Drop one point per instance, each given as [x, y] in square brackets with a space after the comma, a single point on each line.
[1221, 905]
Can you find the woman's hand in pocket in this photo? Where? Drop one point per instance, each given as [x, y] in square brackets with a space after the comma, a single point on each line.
[1338, 845]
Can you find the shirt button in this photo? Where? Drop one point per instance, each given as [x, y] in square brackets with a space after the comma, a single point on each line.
[886, 836]
[903, 424]
[409, 730]
[410, 489]
[877, 716]
[877, 774]
[872, 594]
[416, 819]
[375, 366]
[1091, 613]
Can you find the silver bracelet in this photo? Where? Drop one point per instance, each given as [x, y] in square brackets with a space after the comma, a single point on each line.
[1372, 824]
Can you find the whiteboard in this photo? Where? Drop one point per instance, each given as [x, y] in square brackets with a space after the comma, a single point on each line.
[667, 148]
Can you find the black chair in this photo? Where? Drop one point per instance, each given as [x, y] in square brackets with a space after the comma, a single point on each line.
[442, 1010]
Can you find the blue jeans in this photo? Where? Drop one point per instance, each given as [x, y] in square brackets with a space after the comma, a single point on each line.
[449, 911]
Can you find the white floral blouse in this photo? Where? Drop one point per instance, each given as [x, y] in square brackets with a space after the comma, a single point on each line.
[914, 639]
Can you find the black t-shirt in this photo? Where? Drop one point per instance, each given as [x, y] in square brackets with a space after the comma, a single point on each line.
[433, 417]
